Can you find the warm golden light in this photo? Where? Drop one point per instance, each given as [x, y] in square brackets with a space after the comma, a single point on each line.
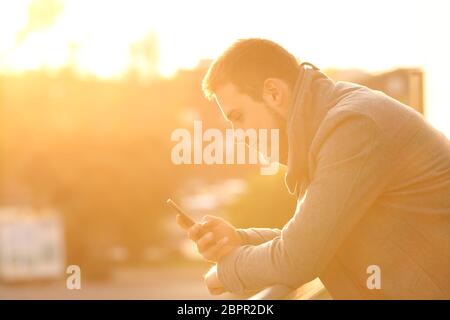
[95, 36]
[103, 117]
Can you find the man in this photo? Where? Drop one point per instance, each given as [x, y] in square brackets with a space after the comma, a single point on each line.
[372, 179]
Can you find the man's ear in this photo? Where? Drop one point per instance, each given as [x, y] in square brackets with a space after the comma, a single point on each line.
[274, 91]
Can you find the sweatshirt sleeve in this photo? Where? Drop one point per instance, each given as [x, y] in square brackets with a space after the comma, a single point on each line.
[351, 165]
[256, 236]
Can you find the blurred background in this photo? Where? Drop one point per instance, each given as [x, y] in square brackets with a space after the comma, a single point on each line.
[91, 90]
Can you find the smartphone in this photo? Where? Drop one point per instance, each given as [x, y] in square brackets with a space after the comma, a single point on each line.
[188, 220]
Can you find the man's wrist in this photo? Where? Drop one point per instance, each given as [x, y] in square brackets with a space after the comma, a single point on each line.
[242, 235]
[227, 273]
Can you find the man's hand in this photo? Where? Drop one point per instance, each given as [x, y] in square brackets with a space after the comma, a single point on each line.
[214, 236]
[213, 283]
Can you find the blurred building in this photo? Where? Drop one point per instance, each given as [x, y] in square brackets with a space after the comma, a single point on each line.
[405, 85]
[31, 245]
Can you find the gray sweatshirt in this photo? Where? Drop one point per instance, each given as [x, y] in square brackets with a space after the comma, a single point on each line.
[377, 181]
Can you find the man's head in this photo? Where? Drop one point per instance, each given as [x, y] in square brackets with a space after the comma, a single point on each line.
[252, 83]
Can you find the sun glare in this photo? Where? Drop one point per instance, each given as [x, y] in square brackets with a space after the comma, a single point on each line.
[96, 37]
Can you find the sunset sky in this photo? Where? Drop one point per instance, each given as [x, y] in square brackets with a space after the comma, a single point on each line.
[370, 35]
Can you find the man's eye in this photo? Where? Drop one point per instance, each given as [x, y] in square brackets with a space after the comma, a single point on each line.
[234, 116]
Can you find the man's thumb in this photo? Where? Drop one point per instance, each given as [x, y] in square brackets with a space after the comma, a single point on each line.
[210, 219]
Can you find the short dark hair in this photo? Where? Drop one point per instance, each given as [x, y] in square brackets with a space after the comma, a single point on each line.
[247, 63]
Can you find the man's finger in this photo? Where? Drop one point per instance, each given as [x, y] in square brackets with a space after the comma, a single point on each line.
[210, 225]
[205, 242]
[195, 232]
[216, 291]
[213, 220]
[212, 252]
[181, 222]
[198, 230]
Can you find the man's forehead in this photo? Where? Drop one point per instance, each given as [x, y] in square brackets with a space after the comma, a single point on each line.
[226, 95]
[226, 91]
[230, 96]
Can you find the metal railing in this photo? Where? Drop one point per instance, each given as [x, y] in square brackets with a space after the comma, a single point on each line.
[313, 290]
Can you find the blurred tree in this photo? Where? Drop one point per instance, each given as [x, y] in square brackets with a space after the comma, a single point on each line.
[42, 14]
[144, 56]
